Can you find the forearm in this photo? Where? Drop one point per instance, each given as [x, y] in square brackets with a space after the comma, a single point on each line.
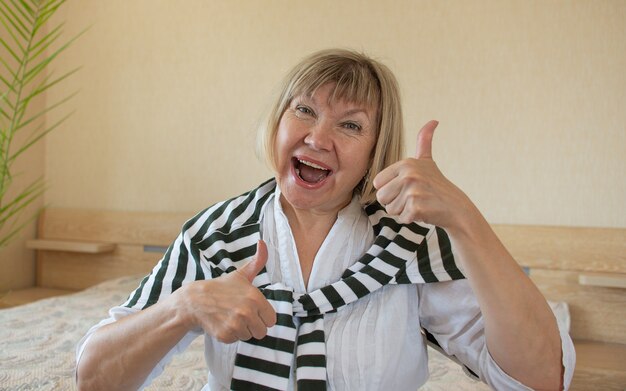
[121, 355]
[520, 329]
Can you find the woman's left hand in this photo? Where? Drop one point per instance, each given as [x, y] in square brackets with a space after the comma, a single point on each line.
[415, 189]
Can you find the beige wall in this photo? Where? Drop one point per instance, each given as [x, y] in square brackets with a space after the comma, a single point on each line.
[531, 97]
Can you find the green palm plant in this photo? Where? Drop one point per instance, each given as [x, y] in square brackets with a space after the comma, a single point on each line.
[27, 48]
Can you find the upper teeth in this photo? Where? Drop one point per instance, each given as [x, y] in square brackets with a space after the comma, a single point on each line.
[312, 165]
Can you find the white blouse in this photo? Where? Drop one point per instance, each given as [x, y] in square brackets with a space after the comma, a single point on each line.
[374, 343]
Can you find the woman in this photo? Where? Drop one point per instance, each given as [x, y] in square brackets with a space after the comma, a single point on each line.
[325, 276]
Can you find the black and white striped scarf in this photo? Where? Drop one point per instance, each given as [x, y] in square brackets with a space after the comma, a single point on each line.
[211, 244]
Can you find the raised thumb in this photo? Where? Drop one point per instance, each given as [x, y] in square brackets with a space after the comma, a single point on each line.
[424, 148]
[252, 268]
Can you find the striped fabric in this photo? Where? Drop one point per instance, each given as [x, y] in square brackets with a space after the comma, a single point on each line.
[224, 237]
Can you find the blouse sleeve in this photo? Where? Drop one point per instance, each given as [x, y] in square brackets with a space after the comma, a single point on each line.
[180, 265]
[450, 314]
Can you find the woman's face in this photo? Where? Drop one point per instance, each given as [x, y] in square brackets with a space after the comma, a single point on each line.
[323, 150]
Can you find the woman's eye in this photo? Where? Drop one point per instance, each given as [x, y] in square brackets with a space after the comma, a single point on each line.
[352, 126]
[304, 110]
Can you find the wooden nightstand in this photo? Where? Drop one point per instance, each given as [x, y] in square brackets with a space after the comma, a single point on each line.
[599, 366]
[28, 295]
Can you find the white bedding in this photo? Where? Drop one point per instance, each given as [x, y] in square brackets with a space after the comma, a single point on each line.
[38, 342]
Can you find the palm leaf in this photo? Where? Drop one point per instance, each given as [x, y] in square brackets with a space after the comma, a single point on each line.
[22, 200]
[11, 52]
[7, 28]
[47, 40]
[34, 71]
[26, 51]
[38, 137]
[24, 12]
[45, 111]
[26, 7]
[14, 20]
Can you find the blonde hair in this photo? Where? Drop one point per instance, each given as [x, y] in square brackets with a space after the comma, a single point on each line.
[357, 78]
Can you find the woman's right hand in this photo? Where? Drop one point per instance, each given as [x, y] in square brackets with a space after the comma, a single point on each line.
[229, 307]
[121, 355]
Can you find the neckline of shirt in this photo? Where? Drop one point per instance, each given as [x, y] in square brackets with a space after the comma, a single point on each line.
[344, 227]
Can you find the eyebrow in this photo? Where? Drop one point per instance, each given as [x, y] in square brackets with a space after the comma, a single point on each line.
[355, 111]
[349, 112]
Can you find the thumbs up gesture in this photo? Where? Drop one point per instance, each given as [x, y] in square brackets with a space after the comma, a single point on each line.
[415, 190]
[254, 267]
[424, 147]
[229, 307]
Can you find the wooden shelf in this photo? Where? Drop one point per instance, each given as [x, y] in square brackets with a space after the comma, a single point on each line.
[70, 246]
[607, 280]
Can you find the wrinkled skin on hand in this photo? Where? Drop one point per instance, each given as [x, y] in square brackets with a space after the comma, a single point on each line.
[415, 189]
[229, 307]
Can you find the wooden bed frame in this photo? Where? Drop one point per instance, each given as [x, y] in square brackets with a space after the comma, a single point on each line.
[584, 267]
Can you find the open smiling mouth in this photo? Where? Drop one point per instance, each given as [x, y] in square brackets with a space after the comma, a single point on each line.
[310, 172]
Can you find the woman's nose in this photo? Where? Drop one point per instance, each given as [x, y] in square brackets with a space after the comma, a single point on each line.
[319, 137]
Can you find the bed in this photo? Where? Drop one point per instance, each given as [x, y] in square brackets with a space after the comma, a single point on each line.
[98, 257]
[43, 336]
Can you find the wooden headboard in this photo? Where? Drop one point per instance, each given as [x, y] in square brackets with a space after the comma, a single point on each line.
[80, 248]
[584, 267]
